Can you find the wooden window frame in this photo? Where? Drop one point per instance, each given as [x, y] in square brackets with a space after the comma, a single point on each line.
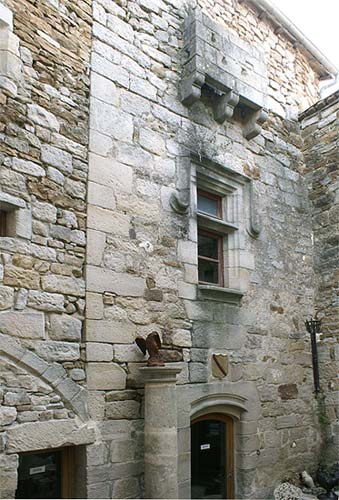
[3, 223]
[229, 447]
[211, 196]
[67, 468]
[220, 259]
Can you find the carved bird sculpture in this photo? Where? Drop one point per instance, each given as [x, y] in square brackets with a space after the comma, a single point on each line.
[306, 479]
[152, 344]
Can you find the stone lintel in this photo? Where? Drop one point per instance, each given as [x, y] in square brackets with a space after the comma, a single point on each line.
[9, 202]
[51, 434]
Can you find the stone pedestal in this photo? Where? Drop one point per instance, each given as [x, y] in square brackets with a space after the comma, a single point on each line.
[161, 449]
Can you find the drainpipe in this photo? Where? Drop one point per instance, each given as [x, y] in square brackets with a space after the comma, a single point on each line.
[313, 327]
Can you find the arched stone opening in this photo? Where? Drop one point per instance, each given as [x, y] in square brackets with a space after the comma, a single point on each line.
[74, 395]
[237, 401]
[73, 430]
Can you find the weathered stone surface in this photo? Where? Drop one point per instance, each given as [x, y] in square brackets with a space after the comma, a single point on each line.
[28, 167]
[42, 117]
[7, 415]
[6, 297]
[119, 332]
[109, 121]
[127, 353]
[57, 158]
[107, 171]
[17, 276]
[51, 434]
[288, 391]
[45, 301]
[59, 351]
[94, 305]
[105, 376]
[63, 284]
[78, 374]
[64, 327]
[123, 409]
[23, 324]
[44, 212]
[99, 351]
[126, 487]
[100, 280]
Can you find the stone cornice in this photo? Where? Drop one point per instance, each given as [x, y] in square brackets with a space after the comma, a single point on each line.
[320, 105]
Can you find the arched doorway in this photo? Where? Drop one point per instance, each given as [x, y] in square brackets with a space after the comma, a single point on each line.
[212, 456]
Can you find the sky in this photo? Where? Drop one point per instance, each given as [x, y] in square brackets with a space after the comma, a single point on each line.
[318, 21]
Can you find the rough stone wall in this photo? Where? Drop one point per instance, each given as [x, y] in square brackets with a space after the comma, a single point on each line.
[320, 126]
[142, 262]
[43, 175]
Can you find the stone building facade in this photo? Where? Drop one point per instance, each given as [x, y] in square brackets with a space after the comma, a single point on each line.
[118, 119]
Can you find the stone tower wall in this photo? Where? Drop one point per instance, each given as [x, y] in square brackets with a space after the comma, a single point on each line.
[320, 126]
[142, 255]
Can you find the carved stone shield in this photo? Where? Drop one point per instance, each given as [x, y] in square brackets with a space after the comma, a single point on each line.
[219, 365]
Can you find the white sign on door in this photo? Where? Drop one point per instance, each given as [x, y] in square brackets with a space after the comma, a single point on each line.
[205, 446]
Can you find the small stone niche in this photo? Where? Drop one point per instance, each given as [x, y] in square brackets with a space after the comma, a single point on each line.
[234, 71]
[15, 217]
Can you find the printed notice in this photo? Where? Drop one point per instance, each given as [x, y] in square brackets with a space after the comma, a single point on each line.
[205, 446]
[37, 470]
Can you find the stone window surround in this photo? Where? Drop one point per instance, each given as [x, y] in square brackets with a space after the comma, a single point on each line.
[237, 190]
[10, 62]
[18, 221]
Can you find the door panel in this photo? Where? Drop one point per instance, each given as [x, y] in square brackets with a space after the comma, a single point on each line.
[212, 457]
[45, 474]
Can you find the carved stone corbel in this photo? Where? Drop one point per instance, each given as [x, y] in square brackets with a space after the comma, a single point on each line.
[252, 127]
[224, 106]
[178, 202]
[191, 89]
[253, 228]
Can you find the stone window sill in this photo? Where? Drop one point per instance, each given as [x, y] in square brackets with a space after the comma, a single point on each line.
[222, 294]
[216, 225]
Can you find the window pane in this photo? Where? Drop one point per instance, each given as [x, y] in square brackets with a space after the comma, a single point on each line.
[3, 223]
[208, 271]
[208, 246]
[39, 475]
[207, 205]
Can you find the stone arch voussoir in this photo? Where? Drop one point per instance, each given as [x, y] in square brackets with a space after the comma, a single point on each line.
[53, 374]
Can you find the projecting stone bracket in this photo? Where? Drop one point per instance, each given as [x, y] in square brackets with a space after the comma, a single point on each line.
[179, 204]
[253, 125]
[191, 89]
[233, 71]
[224, 106]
